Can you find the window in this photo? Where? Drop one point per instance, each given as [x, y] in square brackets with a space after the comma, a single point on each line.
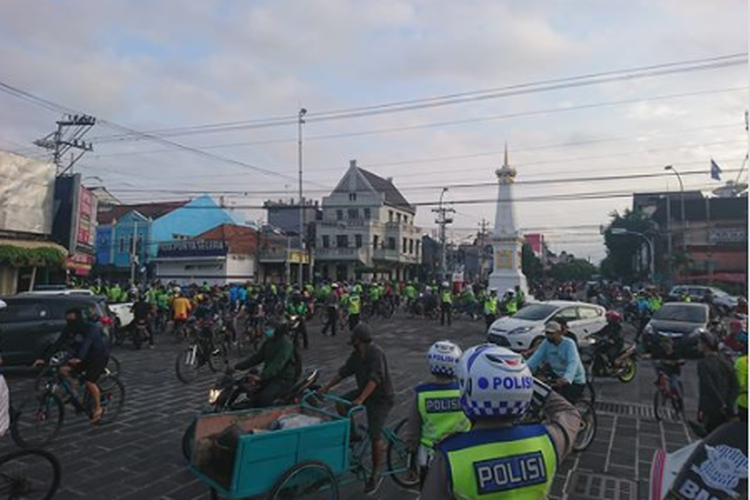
[339, 215]
[122, 244]
[411, 247]
[326, 241]
[353, 214]
[403, 245]
[588, 313]
[375, 241]
[342, 241]
[138, 245]
[390, 215]
[568, 314]
[418, 242]
[391, 243]
[398, 217]
[367, 213]
[358, 240]
[352, 196]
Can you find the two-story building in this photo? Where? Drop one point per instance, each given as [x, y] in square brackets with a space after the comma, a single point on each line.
[367, 231]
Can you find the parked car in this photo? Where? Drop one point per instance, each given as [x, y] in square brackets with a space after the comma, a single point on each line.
[696, 293]
[525, 329]
[30, 323]
[122, 313]
[680, 321]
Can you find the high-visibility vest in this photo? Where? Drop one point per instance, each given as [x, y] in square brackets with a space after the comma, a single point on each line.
[740, 367]
[511, 307]
[439, 407]
[446, 297]
[354, 304]
[516, 462]
[490, 306]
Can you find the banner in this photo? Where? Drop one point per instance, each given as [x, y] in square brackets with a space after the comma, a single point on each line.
[86, 233]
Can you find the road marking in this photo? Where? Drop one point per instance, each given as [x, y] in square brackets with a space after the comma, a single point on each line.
[637, 447]
[611, 442]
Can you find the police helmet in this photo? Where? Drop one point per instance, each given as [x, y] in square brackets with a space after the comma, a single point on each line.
[443, 357]
[494, 382]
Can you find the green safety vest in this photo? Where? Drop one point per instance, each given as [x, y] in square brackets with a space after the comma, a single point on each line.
[520, 298]
[410, 292]
[654, 304]
[511, 307]
[490, 306]
[497, 464]
[446, 297]
[354, 304]
[439, 407]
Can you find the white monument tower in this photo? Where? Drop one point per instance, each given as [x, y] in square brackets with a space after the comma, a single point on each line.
[506, 241]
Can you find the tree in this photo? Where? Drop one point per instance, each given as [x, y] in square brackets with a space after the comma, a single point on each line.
[531, 264]
[621, 248]
[575, 270]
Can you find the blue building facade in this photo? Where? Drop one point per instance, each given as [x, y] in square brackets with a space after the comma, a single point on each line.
[115, 242]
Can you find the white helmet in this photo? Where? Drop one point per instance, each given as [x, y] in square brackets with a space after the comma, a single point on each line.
[443, 358]
[494, 382]
[445, 284]
[510, 291]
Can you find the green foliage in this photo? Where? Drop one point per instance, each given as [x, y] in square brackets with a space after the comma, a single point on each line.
[622, 248]
[576, 270]
[39, 257]
[531, 264]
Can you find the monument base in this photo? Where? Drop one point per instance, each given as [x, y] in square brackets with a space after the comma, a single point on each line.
[506, 280]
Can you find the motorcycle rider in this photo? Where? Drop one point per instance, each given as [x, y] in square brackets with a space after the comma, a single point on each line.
[279, 363]
[611, 336]
[495, 459]
[436, 412]
[142, 310]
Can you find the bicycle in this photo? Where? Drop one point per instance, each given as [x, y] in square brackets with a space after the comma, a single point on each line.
[38, 420]
[48, 372]
[199, 353]
[667, 395]
[585, 407]
[29, 474]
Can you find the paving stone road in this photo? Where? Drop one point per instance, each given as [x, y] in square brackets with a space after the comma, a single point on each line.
[138, 457]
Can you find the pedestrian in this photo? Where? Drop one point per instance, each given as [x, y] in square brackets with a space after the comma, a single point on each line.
[369, 366]
[355, 305]
[717, 387]
[498, 458]
[332, 306]
[490, 308]
[436, 412]
[446, 304]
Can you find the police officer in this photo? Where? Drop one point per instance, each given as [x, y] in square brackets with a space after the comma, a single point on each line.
[436, 412]
[498, 458]
[355, 305]
[446, 303]
[490, 308]
[510, 306]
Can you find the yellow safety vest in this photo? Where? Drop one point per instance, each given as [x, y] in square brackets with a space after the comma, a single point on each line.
[497, 464]
[446, 297]
[740, 367]
[441, 413]
[490, 306]
[354, 304]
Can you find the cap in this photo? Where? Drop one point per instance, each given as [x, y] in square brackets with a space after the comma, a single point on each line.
[361, 332]
[552, 327]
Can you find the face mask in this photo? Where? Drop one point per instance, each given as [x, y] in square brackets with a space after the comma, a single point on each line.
[268, 332]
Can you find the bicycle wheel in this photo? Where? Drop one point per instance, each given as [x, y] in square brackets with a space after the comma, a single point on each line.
[112, 393]
[29, 474]
[186, 364]
[628, 370]
[400, 462]
[37, 420]
[46, 375]
[661, 410]
[113, 366]
[587, 432]
[589, 394]
[310, 480]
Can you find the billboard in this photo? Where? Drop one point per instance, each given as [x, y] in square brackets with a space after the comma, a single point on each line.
[27, 190]
[192, 248]
[85, 234]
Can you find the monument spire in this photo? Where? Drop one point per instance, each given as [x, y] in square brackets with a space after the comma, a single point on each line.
[506, 241]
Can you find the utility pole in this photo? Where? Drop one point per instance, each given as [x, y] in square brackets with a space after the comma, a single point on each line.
[134, 253]
[443, 221]
[68, 135]
[482, 244]
[300, 121]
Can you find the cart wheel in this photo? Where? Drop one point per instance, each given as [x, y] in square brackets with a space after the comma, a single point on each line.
[310, 480]
[401, 464]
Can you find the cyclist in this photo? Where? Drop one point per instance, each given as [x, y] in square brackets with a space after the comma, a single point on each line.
[374, 390]
[142, 310]
[298, 307]
[436, 412]
[354, 303]
[279, 363]
[560, 354]
[446, 303]
[717, 384]
[670, 364]
[181, 308]
[498, 458]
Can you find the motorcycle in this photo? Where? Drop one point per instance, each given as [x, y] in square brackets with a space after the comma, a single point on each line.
[595, 358]
[235, 393]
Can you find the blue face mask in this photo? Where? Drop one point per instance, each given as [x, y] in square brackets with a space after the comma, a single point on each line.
[269, 332]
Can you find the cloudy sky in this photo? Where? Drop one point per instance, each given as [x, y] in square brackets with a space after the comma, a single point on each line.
[167, 64]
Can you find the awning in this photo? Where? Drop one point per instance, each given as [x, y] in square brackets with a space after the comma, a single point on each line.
[33, 253]
[31, 244]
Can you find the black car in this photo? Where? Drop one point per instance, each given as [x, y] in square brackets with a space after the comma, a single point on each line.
[29, 324]
[680, 321]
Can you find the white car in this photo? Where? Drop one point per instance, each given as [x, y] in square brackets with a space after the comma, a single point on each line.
[525, 329]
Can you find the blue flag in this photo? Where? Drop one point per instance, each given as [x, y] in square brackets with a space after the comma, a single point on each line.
[715, 171]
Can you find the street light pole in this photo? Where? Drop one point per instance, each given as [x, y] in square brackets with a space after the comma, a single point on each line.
[300, 122]
[652, 257]
[442, 235]
[682, 207]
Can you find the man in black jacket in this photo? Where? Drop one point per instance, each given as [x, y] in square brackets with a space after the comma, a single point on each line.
[718, 386]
